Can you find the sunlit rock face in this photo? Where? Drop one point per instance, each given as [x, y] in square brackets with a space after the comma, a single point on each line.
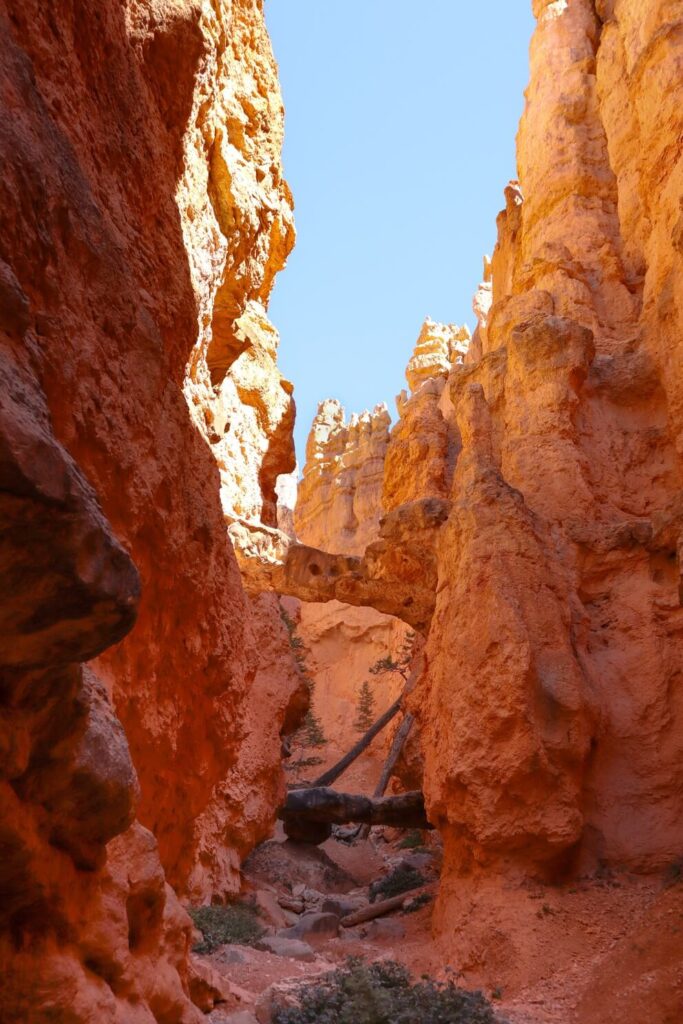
[338, 500]
[423, 447]
[144, 217]
[551, 712]
[339, 505]
[368, 490]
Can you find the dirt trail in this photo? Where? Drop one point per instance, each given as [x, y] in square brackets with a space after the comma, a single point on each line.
[312, 876]
[596, 924]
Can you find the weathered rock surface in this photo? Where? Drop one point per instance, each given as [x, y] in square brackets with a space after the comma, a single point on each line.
[550, 712]
[240, 813]
[338, 499]
[568, 465]
[371, 504]
[241, 1017]
[297, 865]
[338, 508]
[342, 643]
[143, 219]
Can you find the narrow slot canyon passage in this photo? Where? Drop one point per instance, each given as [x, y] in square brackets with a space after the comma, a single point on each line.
[392, 731]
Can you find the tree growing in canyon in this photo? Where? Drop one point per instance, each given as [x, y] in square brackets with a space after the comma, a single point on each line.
[310, 735]
[365, 711]
[401, 663]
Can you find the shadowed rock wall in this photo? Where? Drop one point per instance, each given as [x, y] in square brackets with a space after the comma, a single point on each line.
[143, 219]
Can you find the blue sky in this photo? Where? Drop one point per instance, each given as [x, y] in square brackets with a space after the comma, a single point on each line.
[400, 137]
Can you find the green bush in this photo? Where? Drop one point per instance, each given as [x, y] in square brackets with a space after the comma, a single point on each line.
[235, 924]
[365, 710]
[413, 841]
[382, 993]
[417, 903]
[401, 879]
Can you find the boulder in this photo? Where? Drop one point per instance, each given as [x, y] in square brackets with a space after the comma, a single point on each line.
[343, 905]
[281, 945]
[315, 928]
[207, 987]
[230, 954]
[269, 909]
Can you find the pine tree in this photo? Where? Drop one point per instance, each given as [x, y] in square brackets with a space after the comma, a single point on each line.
[310, 734]
[312, 730]
[401, 664]
[365, 712]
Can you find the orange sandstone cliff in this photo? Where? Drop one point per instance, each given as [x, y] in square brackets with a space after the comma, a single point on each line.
[551, 712]
[524, 514]
[564, 534]
[533, 487]
[143, 219]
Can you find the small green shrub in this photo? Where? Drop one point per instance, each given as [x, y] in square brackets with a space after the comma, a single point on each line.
[236, 924]
[401, 664]
[413, 841]
[401, 879]
[382, 993]
[417, 903]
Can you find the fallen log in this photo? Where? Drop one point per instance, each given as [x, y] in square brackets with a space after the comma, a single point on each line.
[333, 773]
[389, 765]
[323, 805]
[394, 754]
[374, 910]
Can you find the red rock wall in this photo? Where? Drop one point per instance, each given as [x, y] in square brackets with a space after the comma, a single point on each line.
[566, 487]
[143, 218]
[552, 709]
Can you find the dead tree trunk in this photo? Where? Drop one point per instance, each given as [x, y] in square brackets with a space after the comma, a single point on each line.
[375, 910]
[333, 773]
[322, 805]
[400, 738]
[396, 747]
